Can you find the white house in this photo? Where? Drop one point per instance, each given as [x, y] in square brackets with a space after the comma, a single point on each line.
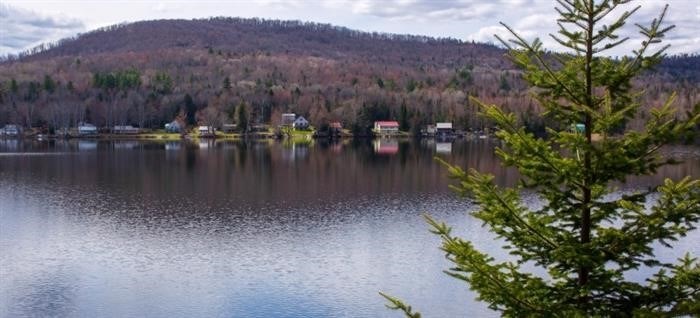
[206, 131]
[288, 119]
[173, 127]
[301, 123]
[86, 129]
[444, 129]
[386, 127]
[11, 130]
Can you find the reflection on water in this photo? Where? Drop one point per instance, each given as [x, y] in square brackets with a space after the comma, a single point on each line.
[260, 229]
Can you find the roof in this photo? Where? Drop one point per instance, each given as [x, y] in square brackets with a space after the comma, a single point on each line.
[336, 124]
[444, 125]
[387, 123]
[86, 125]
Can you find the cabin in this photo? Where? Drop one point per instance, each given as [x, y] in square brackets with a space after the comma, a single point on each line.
[444, 129]
[229, 128]
[11, 130]
[206, 131]
[301, 123]
[173, 127]
[288, 119]
[386, 127]
[126, 130]
[87, 129]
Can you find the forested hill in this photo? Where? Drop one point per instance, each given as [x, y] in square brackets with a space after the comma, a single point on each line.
[246, 36]
[208, 71]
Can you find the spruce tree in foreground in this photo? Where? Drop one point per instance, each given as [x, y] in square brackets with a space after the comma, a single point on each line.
[587, 236]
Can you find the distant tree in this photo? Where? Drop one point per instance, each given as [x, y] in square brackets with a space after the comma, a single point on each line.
[14, 88]
[190, 110]
[404, 123]
[242, 117]
[49, 84]
[503, 83]
[380, 82]
[227, 83]
[585, 237]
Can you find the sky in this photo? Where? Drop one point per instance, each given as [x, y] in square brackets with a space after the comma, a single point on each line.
[27, 23]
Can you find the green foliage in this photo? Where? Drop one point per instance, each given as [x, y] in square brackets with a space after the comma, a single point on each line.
[162, 83]
[14, 88]
[190, 109]
[586, 236]
[380, 82]
[242, 117]
[404, 124]
[463, 77]
[49, 84]
[503, 83]
[32, 92]
[117, 81]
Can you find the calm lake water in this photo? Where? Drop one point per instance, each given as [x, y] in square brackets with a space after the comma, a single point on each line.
[230, 229]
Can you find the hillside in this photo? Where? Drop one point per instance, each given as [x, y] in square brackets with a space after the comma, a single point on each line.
[206, 71]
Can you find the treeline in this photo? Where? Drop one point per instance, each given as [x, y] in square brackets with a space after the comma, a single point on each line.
[250, 36]
[223, 70]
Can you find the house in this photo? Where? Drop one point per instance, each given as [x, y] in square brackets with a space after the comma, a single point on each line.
[87, 129]
[444, 129]
[228, 128]
[288, 119]
[11, 130]
[173, 127]
[126, 130]
[386, 127]
[301, 123]
[206, 131]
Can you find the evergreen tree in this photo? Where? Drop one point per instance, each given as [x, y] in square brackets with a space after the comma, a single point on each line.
[49, 84]
[586, 236]
[242, 117]
[190, 110]
[14, 88]
[404, 124]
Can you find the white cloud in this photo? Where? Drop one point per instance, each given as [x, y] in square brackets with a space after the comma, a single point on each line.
[23, 29]
[463, 19]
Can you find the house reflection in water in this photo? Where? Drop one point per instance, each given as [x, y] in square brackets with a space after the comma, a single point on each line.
[295, 150]
[87, 145]
[443, 147]
[384, 146]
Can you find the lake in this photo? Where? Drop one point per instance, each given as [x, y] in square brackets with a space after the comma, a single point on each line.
[231, 229]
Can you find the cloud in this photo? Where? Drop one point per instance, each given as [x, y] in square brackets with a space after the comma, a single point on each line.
[425, 10]
[23, 29]
[538, 21]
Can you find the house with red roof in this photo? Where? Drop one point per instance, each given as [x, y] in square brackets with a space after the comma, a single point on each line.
[386, 127]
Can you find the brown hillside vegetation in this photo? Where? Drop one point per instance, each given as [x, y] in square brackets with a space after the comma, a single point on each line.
[147, 73]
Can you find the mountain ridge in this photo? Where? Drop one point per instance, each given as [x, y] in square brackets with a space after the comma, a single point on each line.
[208, 68]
